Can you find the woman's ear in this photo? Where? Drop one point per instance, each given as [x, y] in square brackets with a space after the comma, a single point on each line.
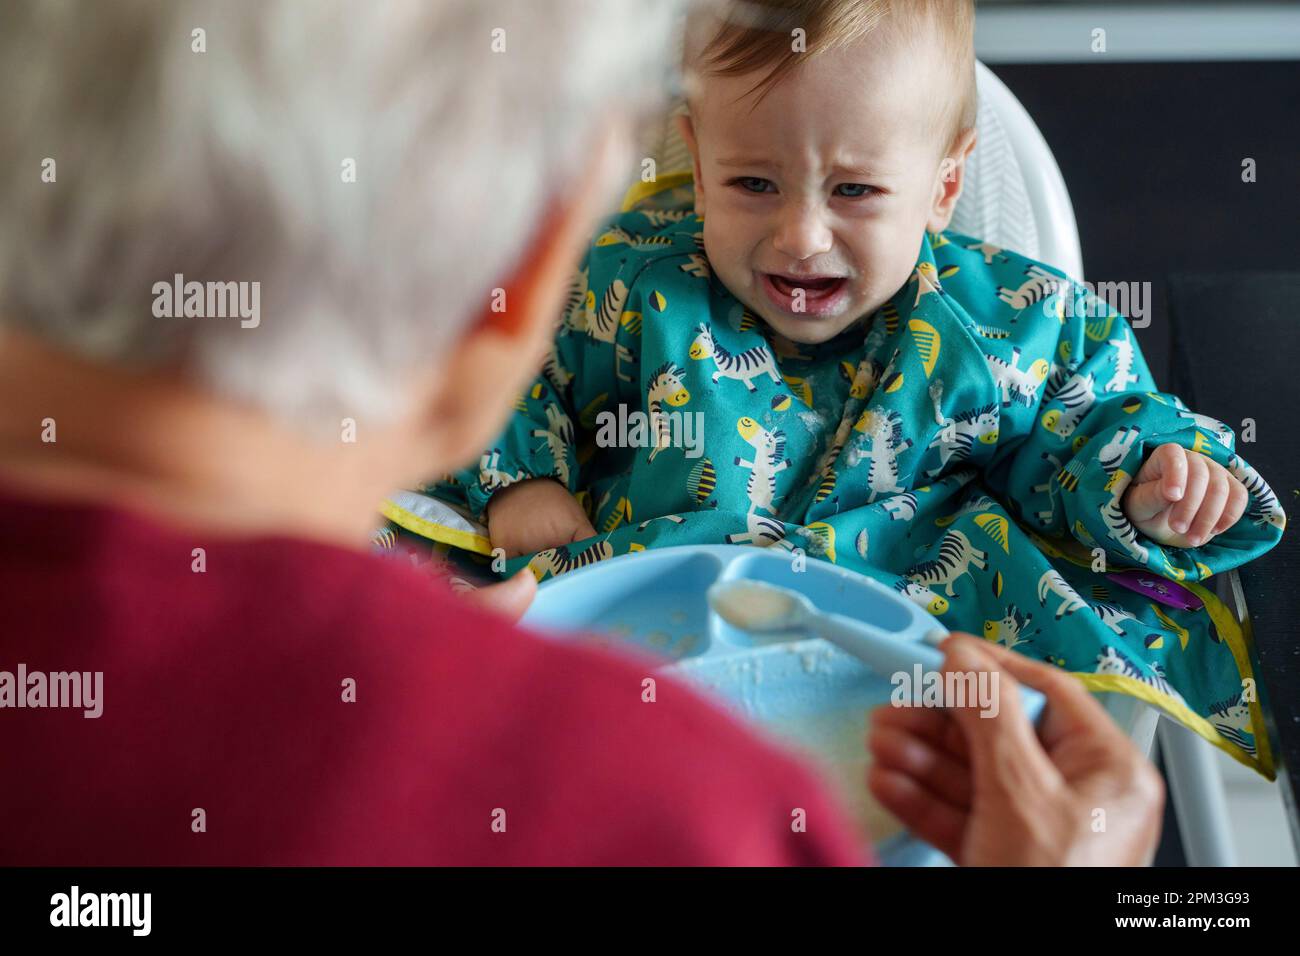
[467, 396]
[686, 129]
[949, 182]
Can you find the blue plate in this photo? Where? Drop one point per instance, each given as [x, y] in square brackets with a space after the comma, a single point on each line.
[803, 691]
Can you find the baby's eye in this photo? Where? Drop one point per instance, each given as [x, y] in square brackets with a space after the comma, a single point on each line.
[754, 184]
[854, 190]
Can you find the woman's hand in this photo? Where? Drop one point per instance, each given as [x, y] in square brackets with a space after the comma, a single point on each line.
[535, 514]
[988, 791]
[509, 598]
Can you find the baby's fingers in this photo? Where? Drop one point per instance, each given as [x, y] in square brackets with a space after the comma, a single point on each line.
[1185, 510]
[1212, 505]
[582, 529]
[1144, 502]
[1159, 482]
[1167, 466]
[1238, 498]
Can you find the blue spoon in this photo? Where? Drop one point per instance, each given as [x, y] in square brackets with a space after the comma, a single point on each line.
[766, 609]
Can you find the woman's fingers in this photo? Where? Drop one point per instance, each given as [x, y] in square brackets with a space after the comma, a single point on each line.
[1008, 763]
[928, 816]
[1070, 708]
[932, 724]
[895, 748]
[510, 598]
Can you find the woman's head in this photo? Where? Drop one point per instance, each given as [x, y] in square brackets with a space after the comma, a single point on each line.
[377, 169]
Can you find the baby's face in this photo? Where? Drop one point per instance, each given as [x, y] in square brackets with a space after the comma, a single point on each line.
[816, 197]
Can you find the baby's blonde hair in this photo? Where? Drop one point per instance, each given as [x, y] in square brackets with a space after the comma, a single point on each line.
[737, 37]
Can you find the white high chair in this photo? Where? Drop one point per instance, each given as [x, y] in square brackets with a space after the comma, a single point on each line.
[1014, 196]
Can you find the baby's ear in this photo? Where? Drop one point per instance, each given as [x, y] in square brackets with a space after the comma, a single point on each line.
[686, 130]
[949, 182]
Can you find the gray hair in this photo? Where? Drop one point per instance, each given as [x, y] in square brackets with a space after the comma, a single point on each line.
[230, 165]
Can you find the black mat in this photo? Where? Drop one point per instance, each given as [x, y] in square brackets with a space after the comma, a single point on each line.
[1152, 154]
[1235, 356]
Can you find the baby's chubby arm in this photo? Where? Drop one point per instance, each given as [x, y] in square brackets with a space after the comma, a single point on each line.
[1105, 457]
[1182, 499]
[533, 515]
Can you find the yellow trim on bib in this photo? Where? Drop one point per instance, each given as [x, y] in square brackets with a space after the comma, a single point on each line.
[465, 540]
[1230, 631]
[639, 192]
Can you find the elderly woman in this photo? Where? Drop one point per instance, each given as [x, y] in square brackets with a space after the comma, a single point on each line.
[259, 264]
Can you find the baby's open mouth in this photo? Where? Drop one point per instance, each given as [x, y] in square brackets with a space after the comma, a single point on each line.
[813, 294]
[812, 285]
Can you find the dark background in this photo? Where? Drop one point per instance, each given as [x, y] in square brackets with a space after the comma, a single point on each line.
[1152, 153]
[1152, 156]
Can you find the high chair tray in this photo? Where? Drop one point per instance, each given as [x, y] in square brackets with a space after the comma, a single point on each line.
[805, 692]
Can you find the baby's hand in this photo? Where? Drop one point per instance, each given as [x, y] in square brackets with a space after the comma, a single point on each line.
[1182, 499]
[535, 514]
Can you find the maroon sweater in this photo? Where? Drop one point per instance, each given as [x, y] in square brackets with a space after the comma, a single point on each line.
[223, 691]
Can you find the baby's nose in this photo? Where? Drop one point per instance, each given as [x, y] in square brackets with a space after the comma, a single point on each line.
[802, 232]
